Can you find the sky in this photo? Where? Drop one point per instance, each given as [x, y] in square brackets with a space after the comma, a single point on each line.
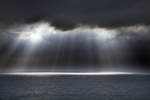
[74, 34]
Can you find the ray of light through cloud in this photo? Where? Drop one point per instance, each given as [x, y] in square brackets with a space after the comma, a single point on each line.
[109, 41]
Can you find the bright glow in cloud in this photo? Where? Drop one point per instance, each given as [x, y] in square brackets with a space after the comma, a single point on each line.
[105, 33]
[30, 36]
[35, 32]
[35, 37]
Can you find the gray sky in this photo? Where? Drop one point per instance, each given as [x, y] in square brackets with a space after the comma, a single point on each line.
[77, 33]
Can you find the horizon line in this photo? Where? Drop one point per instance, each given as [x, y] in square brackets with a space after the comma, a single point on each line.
[73, 73]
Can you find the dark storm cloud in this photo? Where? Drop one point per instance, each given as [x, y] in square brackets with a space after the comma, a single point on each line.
[66, 14]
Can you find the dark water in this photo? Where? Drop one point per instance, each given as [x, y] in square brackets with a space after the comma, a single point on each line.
[119, 87]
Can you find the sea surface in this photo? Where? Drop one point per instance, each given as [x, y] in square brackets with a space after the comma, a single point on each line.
[69, 87]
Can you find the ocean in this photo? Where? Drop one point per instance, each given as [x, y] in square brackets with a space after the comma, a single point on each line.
[70, 87]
